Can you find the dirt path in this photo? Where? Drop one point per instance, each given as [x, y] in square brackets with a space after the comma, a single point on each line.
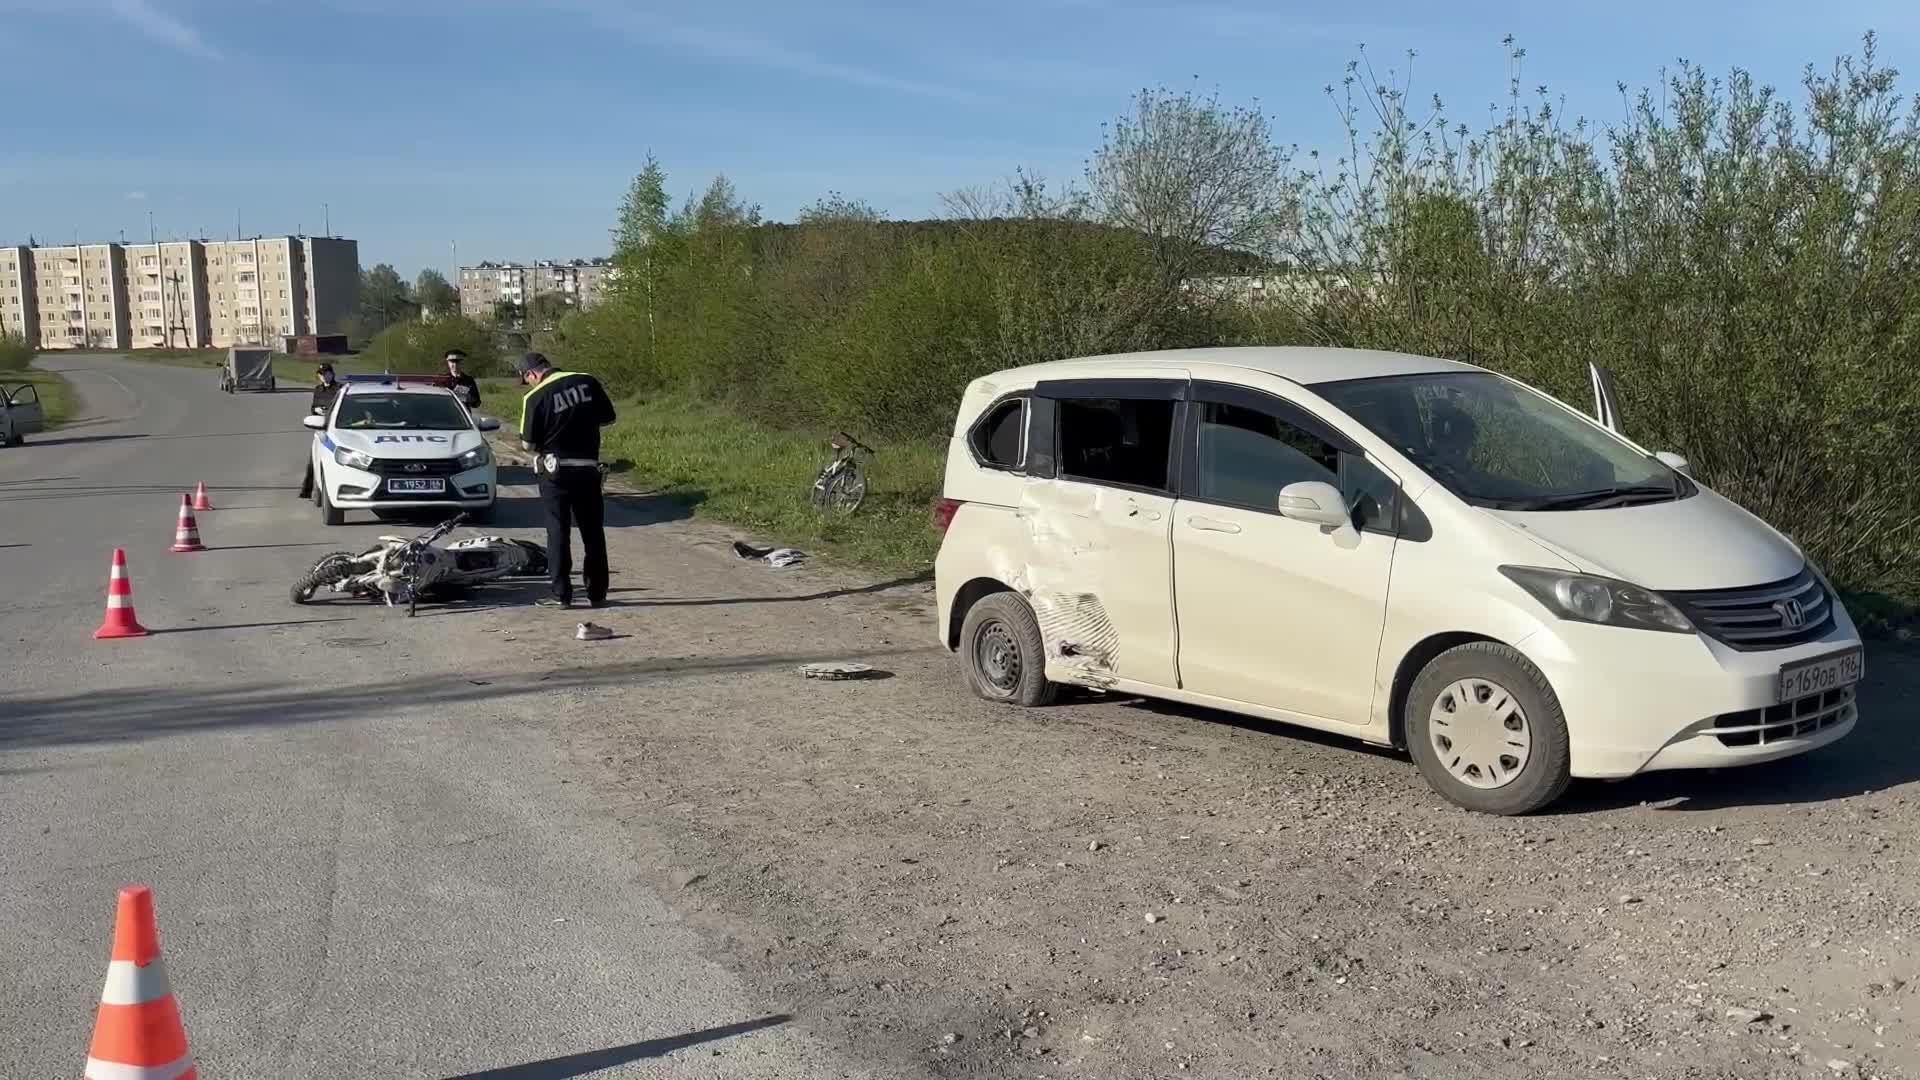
[1115, 888]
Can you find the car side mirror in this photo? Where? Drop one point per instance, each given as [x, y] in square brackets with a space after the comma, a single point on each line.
[1675, 462]
[314, 421]
[487, 423]
[1315, 502]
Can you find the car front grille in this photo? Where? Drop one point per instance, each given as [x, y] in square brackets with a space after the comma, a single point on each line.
[1794, 719]
[405, 467]
[1761, 616]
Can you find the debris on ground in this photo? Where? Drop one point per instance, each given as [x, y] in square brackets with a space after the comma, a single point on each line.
[592, 632]
[774, 557]
[837, 670]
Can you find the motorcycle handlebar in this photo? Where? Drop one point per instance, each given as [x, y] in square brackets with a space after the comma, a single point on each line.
[443, 528]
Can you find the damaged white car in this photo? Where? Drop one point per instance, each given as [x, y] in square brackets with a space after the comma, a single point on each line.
[1415, 552]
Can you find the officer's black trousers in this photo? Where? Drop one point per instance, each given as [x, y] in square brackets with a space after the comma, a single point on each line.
[572, 498]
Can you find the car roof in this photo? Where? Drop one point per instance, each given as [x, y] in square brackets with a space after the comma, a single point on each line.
[394, 388]
[1306, 365]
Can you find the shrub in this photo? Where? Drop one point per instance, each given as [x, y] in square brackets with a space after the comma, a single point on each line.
[421, 347]
[15, 353]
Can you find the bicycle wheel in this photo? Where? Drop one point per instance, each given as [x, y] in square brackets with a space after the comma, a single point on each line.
[847, 490]
[823, 483]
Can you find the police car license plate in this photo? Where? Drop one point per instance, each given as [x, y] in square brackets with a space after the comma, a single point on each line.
[417, 487]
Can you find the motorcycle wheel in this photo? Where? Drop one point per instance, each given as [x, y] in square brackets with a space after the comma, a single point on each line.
[328, 569]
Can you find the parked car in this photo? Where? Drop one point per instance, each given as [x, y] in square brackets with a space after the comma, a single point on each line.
[1414, 552]
[21, 414]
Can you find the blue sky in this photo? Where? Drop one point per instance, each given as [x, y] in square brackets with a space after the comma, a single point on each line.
[512, 127]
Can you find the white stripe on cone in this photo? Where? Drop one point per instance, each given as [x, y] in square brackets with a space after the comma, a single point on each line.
[113, 1070]
[130, 984]
[119, 600]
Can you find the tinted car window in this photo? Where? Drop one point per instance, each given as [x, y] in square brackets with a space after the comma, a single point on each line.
[997, 438]
[1244, 456]
[1116, 441]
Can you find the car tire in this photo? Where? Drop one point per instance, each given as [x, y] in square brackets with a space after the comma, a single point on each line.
[1510, 721]
[1002, 655]
[329, 513]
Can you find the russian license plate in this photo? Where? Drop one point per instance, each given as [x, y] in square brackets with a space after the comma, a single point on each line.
[1819, 676]
[417, 487]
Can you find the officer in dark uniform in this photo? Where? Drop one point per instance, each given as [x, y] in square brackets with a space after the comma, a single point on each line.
[560, 422]
[325, 389]
[461, 383]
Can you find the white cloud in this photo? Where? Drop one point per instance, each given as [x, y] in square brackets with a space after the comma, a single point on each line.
[748, 48]
[157, 24]
[140, 15]
[136, 196]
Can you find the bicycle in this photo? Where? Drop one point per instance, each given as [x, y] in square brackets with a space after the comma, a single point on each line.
[842, 483]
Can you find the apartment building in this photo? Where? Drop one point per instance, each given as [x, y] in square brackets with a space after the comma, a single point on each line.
[179, 293]
[333, 282]
[19, 300]
[166, 286]
[579, 282]
[81, 292]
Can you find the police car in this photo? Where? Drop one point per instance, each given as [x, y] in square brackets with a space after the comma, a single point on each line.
[399, 442]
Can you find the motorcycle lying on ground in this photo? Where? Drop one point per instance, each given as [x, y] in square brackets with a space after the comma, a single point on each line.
[403, 571]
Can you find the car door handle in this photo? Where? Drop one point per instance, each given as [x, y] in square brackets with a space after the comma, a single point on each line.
[1205, 524]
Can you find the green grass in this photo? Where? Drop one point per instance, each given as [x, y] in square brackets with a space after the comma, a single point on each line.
[744, 474]
[57, 402]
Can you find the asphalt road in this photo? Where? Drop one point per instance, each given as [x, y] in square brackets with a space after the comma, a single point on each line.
[371, 851]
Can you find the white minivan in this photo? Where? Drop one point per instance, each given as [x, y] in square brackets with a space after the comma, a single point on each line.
[1415, 552]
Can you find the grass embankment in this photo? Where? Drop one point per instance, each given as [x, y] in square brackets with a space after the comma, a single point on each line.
[57, 401]
[734, 471]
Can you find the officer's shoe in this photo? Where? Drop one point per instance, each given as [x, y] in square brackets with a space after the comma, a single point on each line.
[552, 602]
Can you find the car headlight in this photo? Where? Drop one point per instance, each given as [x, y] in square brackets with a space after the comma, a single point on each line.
[352, 459]
[473, 459]
[1605, 601]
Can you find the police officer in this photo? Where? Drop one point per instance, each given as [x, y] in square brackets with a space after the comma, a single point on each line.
[560, 422]
[325, 389]
[461, 383]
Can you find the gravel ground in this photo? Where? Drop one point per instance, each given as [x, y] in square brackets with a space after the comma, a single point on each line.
[1118, 888]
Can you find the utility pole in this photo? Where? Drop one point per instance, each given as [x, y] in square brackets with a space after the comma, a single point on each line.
[326, 211]
[179, 311]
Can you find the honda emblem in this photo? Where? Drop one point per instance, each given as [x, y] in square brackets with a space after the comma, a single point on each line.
[1792, 615]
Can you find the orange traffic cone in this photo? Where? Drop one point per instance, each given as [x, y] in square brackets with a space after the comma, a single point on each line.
[120, 620]
[137, 1034]
[186, 535]
[200, 500]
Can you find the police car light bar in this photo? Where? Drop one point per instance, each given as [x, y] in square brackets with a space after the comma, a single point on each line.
[389, 379]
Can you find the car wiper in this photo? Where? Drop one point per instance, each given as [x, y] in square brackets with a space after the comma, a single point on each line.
[1600, 497]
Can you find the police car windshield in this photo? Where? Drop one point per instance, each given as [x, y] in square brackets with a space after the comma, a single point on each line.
[421, 412]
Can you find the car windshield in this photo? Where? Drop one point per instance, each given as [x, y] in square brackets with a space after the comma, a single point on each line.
[425, 412]
[1500, 445]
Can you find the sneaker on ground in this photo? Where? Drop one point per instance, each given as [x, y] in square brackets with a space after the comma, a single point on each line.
[592, 632]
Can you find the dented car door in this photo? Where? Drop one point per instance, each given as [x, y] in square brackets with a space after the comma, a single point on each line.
[1099, 510]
